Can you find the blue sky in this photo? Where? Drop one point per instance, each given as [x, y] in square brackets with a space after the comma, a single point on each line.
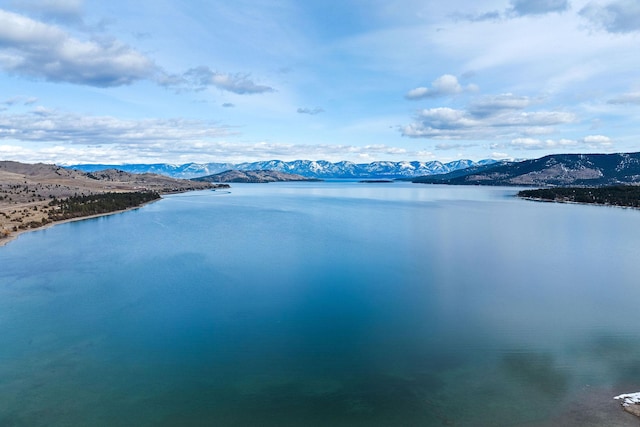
[85, 81]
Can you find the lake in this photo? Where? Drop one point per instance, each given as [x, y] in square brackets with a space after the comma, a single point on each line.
[324, 304]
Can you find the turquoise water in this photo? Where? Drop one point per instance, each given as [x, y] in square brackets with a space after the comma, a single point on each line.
[324, 304]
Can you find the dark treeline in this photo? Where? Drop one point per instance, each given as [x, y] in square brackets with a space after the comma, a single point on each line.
[619, 195]
[96, 204]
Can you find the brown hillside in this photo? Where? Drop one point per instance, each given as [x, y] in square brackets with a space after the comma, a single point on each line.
[27, 189]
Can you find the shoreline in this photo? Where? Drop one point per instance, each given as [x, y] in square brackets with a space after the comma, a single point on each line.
[26, 192]
[13, 235]
[570, 202]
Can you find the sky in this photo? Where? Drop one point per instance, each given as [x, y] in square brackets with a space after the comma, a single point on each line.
[178, 81]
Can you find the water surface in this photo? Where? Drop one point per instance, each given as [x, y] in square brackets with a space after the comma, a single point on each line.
[330, 303]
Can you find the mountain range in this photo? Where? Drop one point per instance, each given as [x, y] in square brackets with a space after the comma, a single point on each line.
[308, 168]
[553, 170]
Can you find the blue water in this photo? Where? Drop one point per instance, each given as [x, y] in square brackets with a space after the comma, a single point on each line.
[324, 304]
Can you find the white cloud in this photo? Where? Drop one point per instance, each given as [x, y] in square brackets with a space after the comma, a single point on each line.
[236, 83]
[618, 16]
[594, 141]
[444, 118]
[38, 50]
[444, 85]
[43, 51]
[500, 156]
[209, 151]
[448, 123]
[492, 105]
[43, 125]
[199, 78]
[65, 138]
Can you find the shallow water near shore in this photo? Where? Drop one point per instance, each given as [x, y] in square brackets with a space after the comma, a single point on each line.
[329, 303]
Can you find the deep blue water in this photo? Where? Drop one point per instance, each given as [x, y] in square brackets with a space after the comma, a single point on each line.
[324, 304]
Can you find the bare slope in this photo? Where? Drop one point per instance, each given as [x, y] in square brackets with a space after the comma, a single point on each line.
[27, 189]
[257, 176]
[553, 170]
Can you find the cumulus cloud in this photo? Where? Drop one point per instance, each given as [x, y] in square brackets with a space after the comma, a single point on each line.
[43, 51]
[311, 111]
[446, 119]
[59, 137]
[500, 121]
[38, 50]
[43, 125]
[627, 98]
[67, 138]
[619, 16]
[594, 141]
[538, 7]
[444, 85]
[228, 105]
[208, 151]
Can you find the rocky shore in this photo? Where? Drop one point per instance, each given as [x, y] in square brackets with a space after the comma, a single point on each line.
[630, 402]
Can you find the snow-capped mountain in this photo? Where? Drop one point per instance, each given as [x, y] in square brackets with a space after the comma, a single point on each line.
[306, 168]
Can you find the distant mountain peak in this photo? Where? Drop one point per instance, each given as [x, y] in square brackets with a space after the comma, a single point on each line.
[321, 169]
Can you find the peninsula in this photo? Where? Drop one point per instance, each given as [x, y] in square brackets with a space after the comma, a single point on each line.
[36, 195]
[253, 176]
[618, 195]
